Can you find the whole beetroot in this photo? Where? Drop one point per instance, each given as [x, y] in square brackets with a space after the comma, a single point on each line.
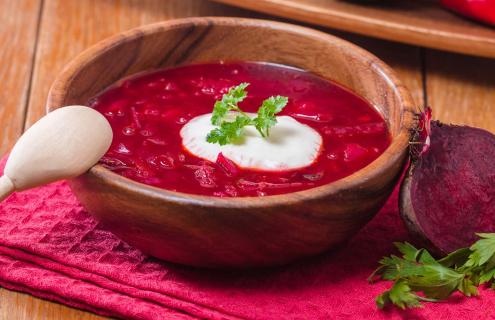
[448, 194]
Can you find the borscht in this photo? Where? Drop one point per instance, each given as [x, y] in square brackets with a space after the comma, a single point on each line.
[293, 130]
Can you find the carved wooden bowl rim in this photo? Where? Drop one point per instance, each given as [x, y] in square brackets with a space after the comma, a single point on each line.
[392, 155]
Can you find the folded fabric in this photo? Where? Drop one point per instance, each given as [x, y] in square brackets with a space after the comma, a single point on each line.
[52, 248]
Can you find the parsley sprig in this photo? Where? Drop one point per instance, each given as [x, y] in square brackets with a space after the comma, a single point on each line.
[417, 272]
[231, 131]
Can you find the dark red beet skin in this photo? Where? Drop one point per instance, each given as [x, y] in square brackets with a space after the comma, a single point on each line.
[449, 193]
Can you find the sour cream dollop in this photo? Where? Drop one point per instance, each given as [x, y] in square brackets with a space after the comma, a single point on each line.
[291, 144]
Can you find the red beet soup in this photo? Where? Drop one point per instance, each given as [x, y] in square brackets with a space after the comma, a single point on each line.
[147, 112]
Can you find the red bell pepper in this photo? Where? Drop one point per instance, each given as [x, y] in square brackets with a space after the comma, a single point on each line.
[482, 10]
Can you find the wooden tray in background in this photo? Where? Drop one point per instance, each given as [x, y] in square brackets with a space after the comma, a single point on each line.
[417, 22]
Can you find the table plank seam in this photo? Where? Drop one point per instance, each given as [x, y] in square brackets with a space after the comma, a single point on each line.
[32, 65]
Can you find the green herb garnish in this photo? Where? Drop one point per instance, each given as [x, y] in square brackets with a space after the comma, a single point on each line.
[231, 131]
[229, 103]
[417, 272]
[228, 132]
[266, 114]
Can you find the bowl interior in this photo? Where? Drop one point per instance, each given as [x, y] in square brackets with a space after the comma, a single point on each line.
[197, 40]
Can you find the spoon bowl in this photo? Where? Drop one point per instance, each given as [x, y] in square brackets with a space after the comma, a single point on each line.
[63, 144]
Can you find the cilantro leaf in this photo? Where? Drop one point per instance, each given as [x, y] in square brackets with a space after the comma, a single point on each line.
[266, 114]
[228, 103]
[228, 132]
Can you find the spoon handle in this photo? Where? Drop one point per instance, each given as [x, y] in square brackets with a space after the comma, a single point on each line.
[6, 187]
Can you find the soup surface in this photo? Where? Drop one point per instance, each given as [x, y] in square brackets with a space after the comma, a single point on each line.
[147, 113]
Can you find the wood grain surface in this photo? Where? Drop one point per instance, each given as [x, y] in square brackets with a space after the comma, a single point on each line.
[421, 22]
[461, 89]
[70, 26]
[17, 42]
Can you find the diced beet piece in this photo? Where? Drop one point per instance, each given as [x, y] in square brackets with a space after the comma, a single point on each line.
[162, 161]
[122, 149]
[135, 118]
[317, 112]
[113, 163]
[314, 176]
[151, 112]
[270, 185]
[220, 194]
[128, 131]
[157, 141]
[354, 152]
[192, 166]
[227, 165]
[319, 117]
[205, 175]
[148, 132]
[448, 194]
[247, 185]
[208, 90]
[142, 170]
[231, 190]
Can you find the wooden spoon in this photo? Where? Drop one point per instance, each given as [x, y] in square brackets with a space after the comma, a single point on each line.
[65, 143]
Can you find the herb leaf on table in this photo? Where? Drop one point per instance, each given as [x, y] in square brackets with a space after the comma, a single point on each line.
[417, 276]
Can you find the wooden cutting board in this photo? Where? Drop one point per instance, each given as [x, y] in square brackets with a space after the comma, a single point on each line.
[418, 22]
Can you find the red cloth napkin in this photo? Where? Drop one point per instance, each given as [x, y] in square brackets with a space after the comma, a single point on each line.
[52, 248]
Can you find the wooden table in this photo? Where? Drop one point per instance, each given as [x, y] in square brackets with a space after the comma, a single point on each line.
[38, 37]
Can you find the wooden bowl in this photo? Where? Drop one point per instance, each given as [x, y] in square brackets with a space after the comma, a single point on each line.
[238, 232]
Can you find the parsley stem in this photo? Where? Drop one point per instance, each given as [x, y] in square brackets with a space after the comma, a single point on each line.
[236, 108]
[426, 299]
